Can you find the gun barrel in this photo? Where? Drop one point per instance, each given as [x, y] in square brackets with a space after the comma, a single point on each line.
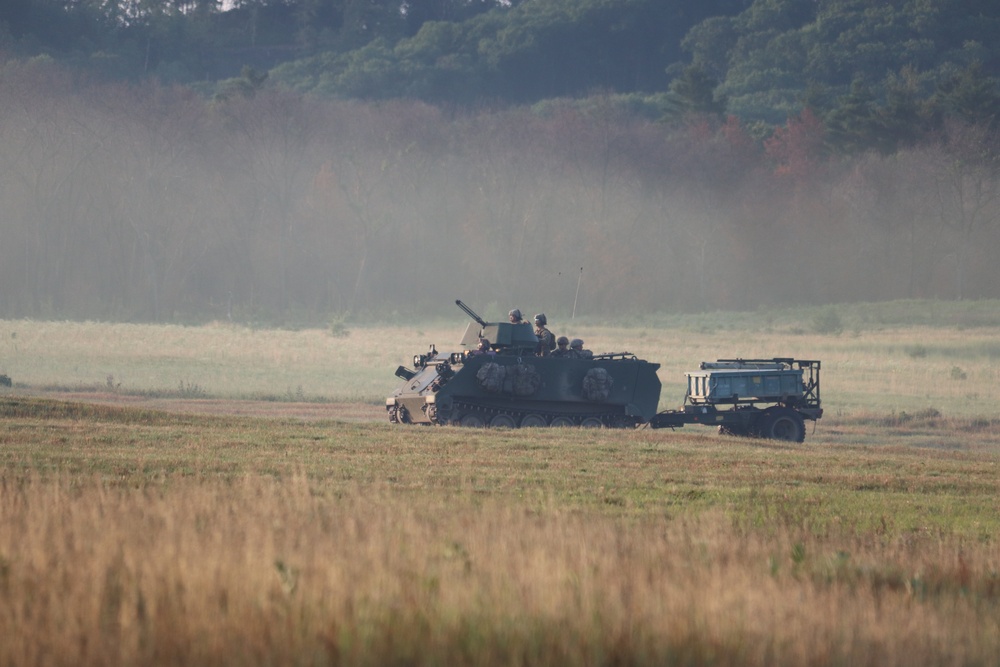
[471, 313]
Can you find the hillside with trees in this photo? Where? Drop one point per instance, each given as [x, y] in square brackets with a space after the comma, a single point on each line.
[764, 61]
[289, 161]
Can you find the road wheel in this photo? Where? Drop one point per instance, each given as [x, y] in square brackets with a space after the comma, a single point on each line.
[783, 424]
[403, 415]
[592, 422]
[503, 421]
[533, 421]
[561, 422]
[472, 419]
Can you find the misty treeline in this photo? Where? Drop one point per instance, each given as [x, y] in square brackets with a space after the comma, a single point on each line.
[149, 203]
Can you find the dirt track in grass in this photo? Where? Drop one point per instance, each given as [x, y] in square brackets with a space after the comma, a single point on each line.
[306, 411]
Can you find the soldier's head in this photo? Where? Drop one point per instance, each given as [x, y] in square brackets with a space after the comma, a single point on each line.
[540, 320]
[562, 342]
[576, 344]
[484, 344]
[515, 316]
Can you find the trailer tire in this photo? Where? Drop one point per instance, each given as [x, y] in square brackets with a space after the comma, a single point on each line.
[783, 424]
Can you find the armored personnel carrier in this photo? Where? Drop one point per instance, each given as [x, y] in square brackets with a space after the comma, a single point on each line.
[506, 385]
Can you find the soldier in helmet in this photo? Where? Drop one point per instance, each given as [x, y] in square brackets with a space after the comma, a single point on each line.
[576, 347]
[562, 348]
[515, 317]
[546, 341]
[484, 347]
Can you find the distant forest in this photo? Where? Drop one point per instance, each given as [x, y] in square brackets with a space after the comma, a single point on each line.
[296, 161]
[857, 63]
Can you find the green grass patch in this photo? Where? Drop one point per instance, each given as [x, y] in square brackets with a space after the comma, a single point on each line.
[619, 473]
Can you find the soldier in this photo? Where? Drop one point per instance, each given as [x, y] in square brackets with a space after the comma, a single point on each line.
[576, 347]
[484, 347]
[562, 349]
[546, 341]
[515, 317]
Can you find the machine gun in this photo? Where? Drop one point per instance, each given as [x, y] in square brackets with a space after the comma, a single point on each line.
[502, 335]
[471, 313]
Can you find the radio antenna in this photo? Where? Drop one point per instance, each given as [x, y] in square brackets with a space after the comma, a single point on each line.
[575, 298]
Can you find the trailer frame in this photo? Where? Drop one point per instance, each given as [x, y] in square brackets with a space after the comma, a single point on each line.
[779, 416]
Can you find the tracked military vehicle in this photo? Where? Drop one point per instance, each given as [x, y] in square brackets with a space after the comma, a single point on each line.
[508, 386]
[505, 385]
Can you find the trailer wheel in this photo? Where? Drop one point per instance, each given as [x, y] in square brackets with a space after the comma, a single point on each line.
[783, 424]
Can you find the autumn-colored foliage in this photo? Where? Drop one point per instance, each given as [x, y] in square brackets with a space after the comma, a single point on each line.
[797, 148]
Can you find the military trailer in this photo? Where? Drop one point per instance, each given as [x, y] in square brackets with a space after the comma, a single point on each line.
[506, 385]
[768, 398]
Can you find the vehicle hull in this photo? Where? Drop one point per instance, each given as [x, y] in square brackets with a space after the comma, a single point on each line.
[548, 389]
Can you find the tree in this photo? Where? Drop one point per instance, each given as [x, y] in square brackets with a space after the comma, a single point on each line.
[853, 125]
[896, 234]
[967, 192]
[797, 147]
[268, 141]
[696, 88]
[969, 96]
[44, 161]
[368, 20]
[768, 55]
[420, 12]
[901, 119]
[15, 16]
[157, 134]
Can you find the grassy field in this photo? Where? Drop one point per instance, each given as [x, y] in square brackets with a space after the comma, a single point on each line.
[904, 357]
[316, 533]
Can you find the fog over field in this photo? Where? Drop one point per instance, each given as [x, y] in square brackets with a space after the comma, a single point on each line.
[149, 203]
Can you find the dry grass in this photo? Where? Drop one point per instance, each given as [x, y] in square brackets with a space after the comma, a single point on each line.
[130, 536]
[257, 570]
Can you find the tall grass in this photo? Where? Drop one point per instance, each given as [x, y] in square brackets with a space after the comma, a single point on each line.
[258, 570]
[130, 536]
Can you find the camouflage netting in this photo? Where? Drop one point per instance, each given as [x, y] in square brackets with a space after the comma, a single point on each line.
[597, 384]
[491, 377]
[524, 379]
[520, 379]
